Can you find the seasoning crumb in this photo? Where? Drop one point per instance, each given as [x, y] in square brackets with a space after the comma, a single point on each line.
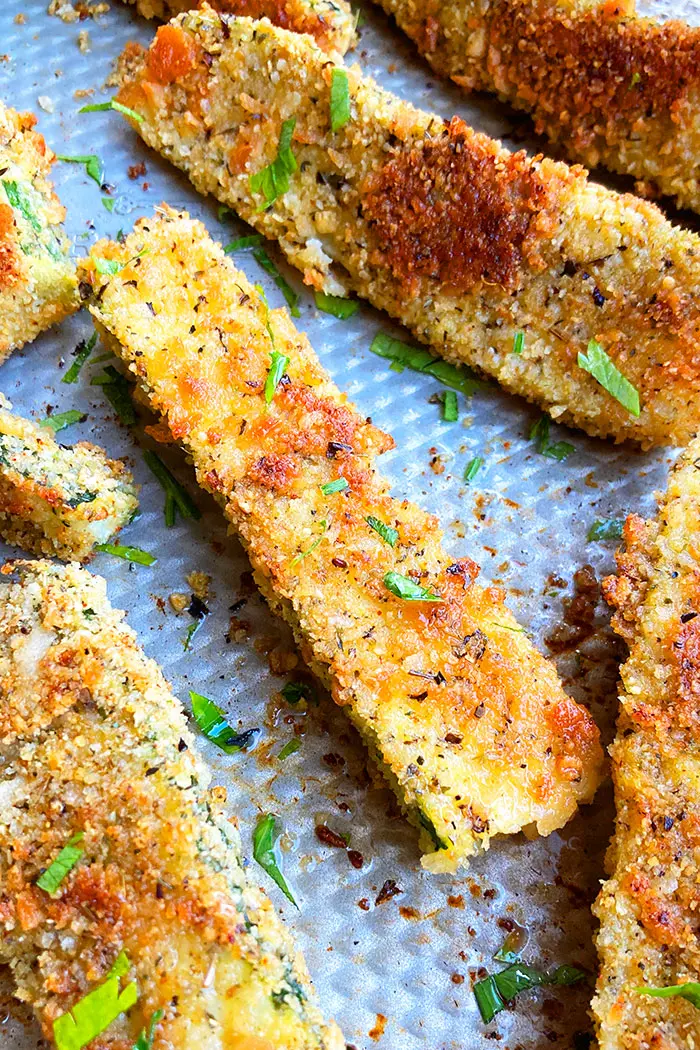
[179, 601]
[84, 42]
[388, 890]
[136, 171]
[199, 582]
[364, 904]
[377, 1032]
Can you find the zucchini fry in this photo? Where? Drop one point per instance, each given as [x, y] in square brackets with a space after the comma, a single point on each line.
[468, 245]
[648, 907]
[94, 744]
[611, 87]
[330, 22]
[56, 500]
[468, 722]
[37, 278]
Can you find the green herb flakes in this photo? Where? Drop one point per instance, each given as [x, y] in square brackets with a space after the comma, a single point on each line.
[212, 722]
[495, 991]
[134, 554]
[338, 485]
[64, 862]
[147, 1036]
[290, 296]
[303, 554]
[340, 99]
[60, 420]
[265, 836]
[405, 356]
[295, 692]
[598, 364]
[93, 165]
[278, 364]
[606, 529]
[388, 534]
[336, 305]
[518, 342]
[406, 589]
[450, 408]
[176, 498]
[690, 991]
[117, 391]
[273, 181]
[254, 240]
[108, 204]
[472, 468]
[100, 107]
[290, 748]
[81, 354]
[89, 1017]
[539, 433]
[19, 198]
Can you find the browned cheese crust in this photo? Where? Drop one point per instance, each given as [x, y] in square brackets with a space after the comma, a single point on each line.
[648, 908]
[611, 87]
[468, 721]
[465, 243]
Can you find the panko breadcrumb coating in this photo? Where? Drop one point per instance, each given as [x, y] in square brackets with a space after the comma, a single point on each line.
[611, 87]
[57, 500]
[467, 720]
[93, 742]
[648, 908]
[330, 22]
[468, 245]
[37, 278]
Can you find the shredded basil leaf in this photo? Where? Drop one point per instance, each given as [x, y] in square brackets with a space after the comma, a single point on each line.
[61, 420]
[89, 1017]
[405, 356]
[98, 107]
[265, 837]
[539, 433]
[336, 305]
[450, 408]
[472, 468]
[278, 364]
[598, 364]
[290, 748]
[20, 199]
[254, 240]
[145, 1040]
[81, 354]
[212, 722]
[690, 991]
[273, 181]
[338, 485]
[340, 99]
[405, 588]
[93, 165]
[290, 296]
[493, 992]
[117, 391]
[388, 534]
[108, 204]
[176, 498]
[63, 863]
[606, 529]
[518, 342]
[127, 553]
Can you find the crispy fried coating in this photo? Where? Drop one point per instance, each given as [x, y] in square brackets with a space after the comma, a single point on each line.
[57, 500]
[612, 88]
[465, 243]
[37, 277]
[648, 908]
[467, 720]
[330, 22]
[92, 741]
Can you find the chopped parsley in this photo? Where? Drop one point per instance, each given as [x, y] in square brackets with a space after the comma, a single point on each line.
[176, 498]
[61, 420]
[690, 991]
[606, 529]
[273, 181]
[134, 554]
[405, 588]
[388, 534]
[539, 433]
[518, 342]
[405, 356]
[340, 99]
[117, 391]
[493, 992]
[212, 721]
[20, 199]
[450, 408]
[598, 364]
[81, 354]
[472, 468]
[290, 748]
[265, 836]
[89, 1017]
[336, 305]
[278, 364]
[146, 1038]
[99, 107]
[295, 692]
[93, 165]
[338, 485]
[63, 863]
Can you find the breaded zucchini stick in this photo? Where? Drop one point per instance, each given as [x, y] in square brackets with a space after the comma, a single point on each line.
[57, 500]
[37, 278]
[94, 744]
[613, 88]
[330, 22]
[471, 247]
[648, 909]
[467, 720]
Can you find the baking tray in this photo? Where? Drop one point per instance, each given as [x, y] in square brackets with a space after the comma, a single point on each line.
[396, 975]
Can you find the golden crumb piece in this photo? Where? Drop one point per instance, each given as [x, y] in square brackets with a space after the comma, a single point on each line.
[95, 745]
[467, 720]
[648, 908]
[475, 249]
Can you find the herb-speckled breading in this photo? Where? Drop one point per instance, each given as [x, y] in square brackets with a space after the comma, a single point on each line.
[37, 277]
[648, 909]
[330, 22]
[612, 87]
[93, 742]
[465, 243]
[57, 500]
[467, 720]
